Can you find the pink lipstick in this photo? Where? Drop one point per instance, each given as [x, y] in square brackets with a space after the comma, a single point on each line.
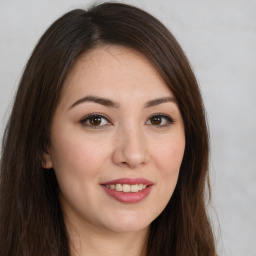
[128, 190]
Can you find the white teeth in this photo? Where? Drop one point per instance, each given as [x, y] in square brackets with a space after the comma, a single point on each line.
[119, 187]
[112, 186]
[134, 188]
[126, 187]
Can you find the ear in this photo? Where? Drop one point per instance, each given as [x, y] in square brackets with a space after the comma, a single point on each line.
[47, 160]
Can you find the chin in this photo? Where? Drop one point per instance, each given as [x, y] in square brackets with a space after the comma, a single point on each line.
[129, 223]
[129, 228]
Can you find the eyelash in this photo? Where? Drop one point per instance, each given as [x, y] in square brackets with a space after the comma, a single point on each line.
[168, 119]
[86, 119]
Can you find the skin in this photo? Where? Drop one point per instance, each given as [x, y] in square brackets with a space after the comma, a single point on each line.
[125, 143]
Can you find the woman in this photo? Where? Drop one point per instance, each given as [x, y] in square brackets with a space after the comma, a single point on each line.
[106, 149]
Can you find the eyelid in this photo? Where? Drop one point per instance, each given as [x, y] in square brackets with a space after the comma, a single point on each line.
[169, 119]
[83, 120]
[87, 117]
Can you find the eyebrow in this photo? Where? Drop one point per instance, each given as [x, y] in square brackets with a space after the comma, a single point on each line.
[156, 102]
[101, 101]
[110, 103]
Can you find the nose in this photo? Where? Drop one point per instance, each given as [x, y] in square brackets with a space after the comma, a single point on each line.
[130, 149]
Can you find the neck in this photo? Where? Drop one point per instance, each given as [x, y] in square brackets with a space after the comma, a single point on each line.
[87, 240]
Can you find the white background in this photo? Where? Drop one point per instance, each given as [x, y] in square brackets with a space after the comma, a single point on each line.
[219, 37]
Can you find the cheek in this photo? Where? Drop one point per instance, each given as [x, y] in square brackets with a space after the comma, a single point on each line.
[77, 163]
[167, 160]
[75, 156]
[168, 157]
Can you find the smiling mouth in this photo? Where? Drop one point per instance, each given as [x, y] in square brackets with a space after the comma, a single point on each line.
[126, 188]
[127, 193]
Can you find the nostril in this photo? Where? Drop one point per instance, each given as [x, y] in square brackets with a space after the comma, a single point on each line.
[130, 153]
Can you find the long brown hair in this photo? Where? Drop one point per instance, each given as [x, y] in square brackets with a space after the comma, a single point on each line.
[31, 221]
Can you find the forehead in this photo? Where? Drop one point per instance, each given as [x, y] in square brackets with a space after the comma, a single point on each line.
[110, 70]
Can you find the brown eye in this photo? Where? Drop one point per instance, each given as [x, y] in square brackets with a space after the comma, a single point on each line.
[160, 120]
[95, 121]
[156, 120]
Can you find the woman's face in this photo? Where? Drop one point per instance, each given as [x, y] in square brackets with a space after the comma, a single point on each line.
[117, 141]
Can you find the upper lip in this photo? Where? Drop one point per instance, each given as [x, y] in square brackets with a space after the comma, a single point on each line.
[129, 181]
